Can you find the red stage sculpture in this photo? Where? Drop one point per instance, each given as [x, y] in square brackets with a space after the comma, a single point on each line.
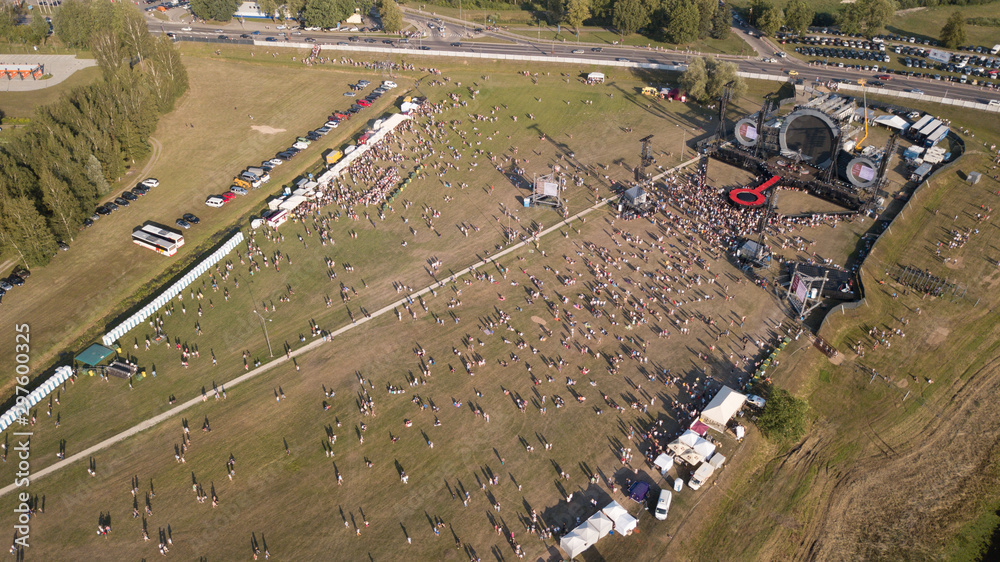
[752, 196]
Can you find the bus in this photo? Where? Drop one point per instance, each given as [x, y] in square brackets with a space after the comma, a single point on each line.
[173, 237]
[155, 243]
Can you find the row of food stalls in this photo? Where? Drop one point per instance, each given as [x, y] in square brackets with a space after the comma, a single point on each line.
[281, 207]
[610, 519]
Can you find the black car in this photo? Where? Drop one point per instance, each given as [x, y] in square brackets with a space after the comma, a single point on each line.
[456, 44]
[5, 285]
[597, 50]
[129, 196]
[22, 273]
[424, 48]
[112, 207]
[121, 202]
[244, 36]
[15, 280]
[353, 39]
[369, 40]
[223, 38]
[87, 223]
[139, 192]
[387, 41]
[191, 218]
[63, 246]
[313, 136]
[354, 109]
[103, 210]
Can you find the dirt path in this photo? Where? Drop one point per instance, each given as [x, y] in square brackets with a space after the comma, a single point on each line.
[153, 158]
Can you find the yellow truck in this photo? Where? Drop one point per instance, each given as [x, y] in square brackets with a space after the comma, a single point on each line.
[242, 183]
[332, 156]
[650, 91]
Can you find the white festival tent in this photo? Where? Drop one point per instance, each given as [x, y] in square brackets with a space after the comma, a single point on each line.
[722, 408]
[578, 540]
[691, 447]
[624, 522]
[601, 523]
[664, 462]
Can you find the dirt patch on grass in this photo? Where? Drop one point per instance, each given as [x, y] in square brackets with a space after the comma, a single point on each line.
[954, 263]
[938, 336]
[267, 130]
[909, 10]
[538, 320]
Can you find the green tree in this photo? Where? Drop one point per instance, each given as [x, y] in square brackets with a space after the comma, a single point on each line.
[784, 416]
[694, 80]
[24, 231]
[706, 11]
[770, 20]
[39, 29]
[576, 12]
[721, 73]
[269, 7]
[684, 23]
[326, 13]
[722, 22]
[61, 204]
[392, 16]
[866, 16]
[215, 10]
[554, 11]
[630, 16]
[798, 15]
[953, 32]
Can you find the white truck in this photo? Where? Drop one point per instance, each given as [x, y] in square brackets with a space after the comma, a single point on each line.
[263, 176]
[705, 471]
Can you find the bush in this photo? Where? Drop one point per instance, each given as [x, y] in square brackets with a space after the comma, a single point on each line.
[784, 416]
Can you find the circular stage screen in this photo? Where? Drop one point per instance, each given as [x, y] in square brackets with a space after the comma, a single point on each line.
[746, 132]
[810, 133]
[861, 172]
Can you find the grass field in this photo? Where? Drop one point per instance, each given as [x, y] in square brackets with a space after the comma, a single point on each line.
[553, 121]
[926, 23]
[192, 164]
[732, 45]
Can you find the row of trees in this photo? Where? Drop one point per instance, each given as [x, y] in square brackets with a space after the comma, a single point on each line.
[52, 174]
[706, 78]
[312, 13]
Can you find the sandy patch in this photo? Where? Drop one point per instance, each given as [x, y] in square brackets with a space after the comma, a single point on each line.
[909, 10]
[954, 263]
[266, 129]
[938, 336]
[538, 320]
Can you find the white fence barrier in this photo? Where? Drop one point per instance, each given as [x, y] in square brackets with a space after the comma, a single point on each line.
[885, 92]
[172, 291]
[23, 404]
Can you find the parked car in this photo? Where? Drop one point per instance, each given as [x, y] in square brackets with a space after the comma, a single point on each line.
[215, 201]
[121, 202]
[111, 206]
[88, 222]
[15, 280]
[103, 210]
[238, 190]
[129, 196]
[364, 103]
[183, 224]
[191, 218]
[63, 246]
[228, 196]
[5, 285]
[756, 401]
[276, 161]
[151, 182]
[140, 190]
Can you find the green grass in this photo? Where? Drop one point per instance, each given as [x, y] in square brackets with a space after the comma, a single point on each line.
[927, 23]
[200, 160]
[23, 104]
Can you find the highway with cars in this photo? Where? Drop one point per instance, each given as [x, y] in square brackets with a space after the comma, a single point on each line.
[439, 35]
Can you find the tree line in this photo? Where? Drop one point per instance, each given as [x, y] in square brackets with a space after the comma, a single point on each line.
[53, 173]
[311, 13]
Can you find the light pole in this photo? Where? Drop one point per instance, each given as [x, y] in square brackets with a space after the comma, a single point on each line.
[264, 325]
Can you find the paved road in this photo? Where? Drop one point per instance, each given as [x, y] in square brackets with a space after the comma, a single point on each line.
[59, 66]
[450, 39]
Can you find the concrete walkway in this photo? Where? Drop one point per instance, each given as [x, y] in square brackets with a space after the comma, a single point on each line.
[176, 410]
[60, 67]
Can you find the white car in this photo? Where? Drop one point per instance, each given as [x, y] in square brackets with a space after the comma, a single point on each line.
[300, 145]
[276, 161]
[388, 84]
[756, 401]
[151, 182]
[333, 124]
[187, 28]
[215, 201]
[663, 505]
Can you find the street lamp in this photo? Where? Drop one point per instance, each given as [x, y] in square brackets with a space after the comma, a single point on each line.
[264, 325]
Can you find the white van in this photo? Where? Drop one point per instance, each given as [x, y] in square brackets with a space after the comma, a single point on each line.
[215, 201]
[663, 505]
[388, 85]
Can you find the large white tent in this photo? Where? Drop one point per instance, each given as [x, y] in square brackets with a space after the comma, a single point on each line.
[579, 539]
[600, 523]
[623, 521]
[691, 447]
[722, 408]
